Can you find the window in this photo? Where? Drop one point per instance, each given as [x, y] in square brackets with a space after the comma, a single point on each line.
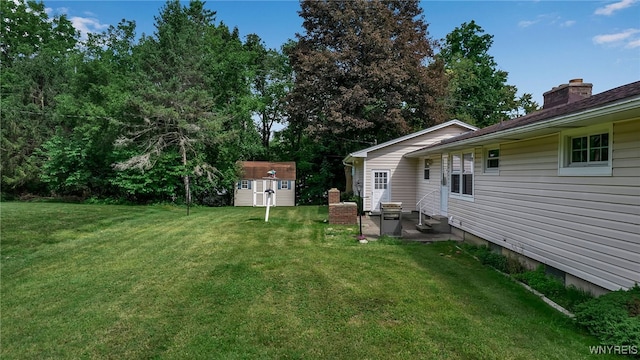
[455, 173]
[380, 180]
[492, 161]
[244, 184]
[462, 174]
[427, 163]
[284, 185]
[585, 152]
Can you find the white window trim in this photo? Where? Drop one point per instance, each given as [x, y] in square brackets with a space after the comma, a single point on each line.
[460, 195]
[564, 166]
[244, 184]
[485, 153]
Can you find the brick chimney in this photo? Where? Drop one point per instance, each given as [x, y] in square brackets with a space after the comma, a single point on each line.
[567, 93]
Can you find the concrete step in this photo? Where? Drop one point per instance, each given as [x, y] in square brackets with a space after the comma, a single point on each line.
[437, 224]
[424, 228]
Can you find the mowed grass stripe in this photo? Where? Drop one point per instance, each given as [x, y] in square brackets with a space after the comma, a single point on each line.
[151, 282]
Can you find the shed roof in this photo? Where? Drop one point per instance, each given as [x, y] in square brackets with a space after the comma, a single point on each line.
[258, 169]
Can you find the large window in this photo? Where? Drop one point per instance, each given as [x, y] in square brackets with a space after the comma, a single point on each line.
[462, 173]
[586, 152]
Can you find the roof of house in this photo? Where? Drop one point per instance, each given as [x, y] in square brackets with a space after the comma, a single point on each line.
[545, 118]
[363, 153]
[258, 169]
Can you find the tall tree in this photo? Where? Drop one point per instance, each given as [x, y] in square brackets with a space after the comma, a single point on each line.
[80, 154]
[478, 90]
[173, 110]
[364, 72]
[365, 69]
[34, 54]
[273, 79]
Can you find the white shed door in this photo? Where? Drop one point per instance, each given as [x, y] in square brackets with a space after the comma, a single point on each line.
[380, 191]
[260, 197]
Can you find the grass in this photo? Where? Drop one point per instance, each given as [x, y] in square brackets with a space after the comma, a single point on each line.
[97, 281]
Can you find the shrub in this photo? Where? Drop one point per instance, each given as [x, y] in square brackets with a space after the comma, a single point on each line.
[566, 296]
[613, 317]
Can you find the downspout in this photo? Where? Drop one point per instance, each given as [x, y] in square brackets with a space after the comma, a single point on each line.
[350, 165]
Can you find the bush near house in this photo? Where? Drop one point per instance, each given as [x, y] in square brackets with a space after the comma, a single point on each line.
[614, 317]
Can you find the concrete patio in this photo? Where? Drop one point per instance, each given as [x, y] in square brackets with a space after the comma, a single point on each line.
[371, 229]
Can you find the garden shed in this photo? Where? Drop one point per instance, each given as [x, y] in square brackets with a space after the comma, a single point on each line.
[250, 188]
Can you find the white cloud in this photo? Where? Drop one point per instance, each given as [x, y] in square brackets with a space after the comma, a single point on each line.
[87, 25]
[626, 38]
[611, 8]
[527, 23]
[547, 19]
[633, 44]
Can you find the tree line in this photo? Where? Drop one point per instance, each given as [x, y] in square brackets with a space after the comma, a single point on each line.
[166, 116]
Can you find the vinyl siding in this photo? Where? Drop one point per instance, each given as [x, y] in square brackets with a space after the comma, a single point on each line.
[243, 197]
[402, 170]
[431, 186]
[587, 226]
[286, 197]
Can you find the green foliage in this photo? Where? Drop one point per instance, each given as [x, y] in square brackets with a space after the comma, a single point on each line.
[614, 317]
[478, 90]
[566, 296]
[495, 260]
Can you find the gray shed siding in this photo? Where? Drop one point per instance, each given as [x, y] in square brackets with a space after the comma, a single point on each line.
[587, 226]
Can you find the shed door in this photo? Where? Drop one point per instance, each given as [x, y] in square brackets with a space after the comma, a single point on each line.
[381, 191]
[260, 197]
[258, 193]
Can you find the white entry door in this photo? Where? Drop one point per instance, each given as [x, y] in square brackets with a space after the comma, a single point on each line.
[444, 185]
[380, 192]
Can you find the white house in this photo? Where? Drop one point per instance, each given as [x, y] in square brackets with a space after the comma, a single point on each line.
[251, 188]
[560, 186]
[386, 175]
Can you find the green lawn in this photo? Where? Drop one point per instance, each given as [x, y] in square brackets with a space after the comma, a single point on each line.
[89, 281]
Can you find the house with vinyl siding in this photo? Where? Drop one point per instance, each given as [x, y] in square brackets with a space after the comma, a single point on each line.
[559, 187]
[255, 181]
[386, 175]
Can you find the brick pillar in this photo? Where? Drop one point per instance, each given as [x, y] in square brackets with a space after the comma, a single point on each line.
[334, 196]
[343, 213]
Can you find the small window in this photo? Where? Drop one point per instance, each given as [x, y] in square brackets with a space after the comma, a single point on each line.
[586, 152]
[492, 163]
[244, 184]
[284, 184]
[427, 163]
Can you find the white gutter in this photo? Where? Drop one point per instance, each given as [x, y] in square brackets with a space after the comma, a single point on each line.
[561, 121]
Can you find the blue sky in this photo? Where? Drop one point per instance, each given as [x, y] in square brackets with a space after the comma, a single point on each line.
[541, 44]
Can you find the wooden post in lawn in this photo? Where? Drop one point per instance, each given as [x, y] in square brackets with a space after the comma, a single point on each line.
[269, 191]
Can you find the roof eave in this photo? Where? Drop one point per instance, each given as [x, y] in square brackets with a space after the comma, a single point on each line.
[546, 127]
